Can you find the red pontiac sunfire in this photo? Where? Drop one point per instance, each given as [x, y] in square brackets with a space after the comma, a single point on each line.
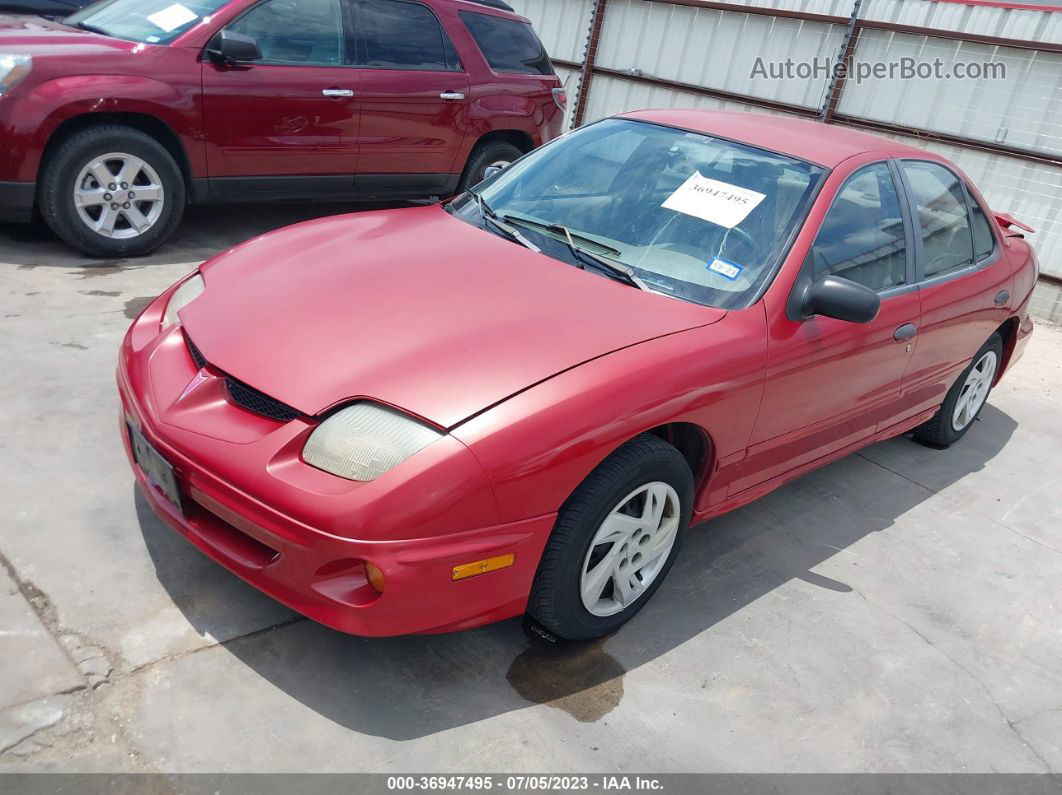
[432, 418]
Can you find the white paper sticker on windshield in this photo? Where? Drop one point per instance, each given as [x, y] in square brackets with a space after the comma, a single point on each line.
[173, 17]
[713, 201]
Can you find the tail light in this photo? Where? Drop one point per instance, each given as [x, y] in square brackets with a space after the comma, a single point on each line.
[560, 96]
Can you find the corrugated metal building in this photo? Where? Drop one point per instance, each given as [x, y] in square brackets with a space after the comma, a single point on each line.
[1005, 131]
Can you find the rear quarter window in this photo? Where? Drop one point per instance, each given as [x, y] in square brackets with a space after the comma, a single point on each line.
[508, 45]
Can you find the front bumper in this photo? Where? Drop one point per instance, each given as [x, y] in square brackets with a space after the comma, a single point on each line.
[16, 201]
[316, 571]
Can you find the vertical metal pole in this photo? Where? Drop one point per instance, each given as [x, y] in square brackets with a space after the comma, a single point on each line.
[597, 20]
[837, 80]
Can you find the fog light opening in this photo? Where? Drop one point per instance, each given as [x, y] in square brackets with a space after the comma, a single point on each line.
[375, 576]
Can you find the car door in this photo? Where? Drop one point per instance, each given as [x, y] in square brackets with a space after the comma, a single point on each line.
[965, 283]
[829, 383]
[287, 123]
[414, 98]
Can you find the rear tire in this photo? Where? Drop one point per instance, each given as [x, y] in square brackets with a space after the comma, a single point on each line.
[491, 153]
[112, 191]
[965, 399]
[622, 528]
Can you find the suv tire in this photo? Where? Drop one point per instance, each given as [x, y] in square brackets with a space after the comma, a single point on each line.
[112, 191]
[491, 153]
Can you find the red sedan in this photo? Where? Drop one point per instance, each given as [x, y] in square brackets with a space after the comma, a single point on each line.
[433, 418]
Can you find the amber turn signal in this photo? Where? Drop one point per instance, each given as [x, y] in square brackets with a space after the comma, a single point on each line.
[466, 570]
[375, 576]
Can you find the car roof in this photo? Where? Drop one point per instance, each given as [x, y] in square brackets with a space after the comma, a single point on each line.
[813, 141]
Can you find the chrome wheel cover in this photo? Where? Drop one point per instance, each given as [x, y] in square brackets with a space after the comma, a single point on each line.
[630, 548]
[119, 196]
[974, 390]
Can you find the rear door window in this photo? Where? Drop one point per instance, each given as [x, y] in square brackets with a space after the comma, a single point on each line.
[508, 45]
[984, 240]
[939, 198]
[394, 34]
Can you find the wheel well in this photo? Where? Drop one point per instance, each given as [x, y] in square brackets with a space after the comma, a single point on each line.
[1009, 332]
[692, 442]
[149, 125]
[520, 140]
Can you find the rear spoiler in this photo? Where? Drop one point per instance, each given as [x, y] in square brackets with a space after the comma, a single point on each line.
[1006, 220]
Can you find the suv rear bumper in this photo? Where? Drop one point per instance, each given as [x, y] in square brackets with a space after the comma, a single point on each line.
[16, 201]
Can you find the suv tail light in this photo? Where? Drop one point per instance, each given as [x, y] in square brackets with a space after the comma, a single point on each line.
[560, 96]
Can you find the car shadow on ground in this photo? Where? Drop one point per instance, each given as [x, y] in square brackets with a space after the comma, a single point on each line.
[205, 231]
[409, 687]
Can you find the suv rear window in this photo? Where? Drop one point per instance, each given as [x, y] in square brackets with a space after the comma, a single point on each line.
[508, 45]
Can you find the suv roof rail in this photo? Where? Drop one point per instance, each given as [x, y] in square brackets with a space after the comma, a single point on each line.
[495, 4]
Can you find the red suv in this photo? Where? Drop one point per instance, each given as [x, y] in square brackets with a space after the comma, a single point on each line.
[115, 119]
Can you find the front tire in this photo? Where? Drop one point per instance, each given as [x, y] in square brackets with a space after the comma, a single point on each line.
[614, 542]
[112, 191]
[965, 399]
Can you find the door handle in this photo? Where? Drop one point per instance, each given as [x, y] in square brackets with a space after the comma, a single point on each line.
[338, 92]
[905, 332]
[1002, 297]
[451, 95]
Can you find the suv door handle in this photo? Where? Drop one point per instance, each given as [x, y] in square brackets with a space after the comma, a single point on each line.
[905, 332]
[1002, 297]
[337, 92]
[451, 95]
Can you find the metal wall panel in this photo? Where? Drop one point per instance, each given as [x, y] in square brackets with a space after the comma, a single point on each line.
[1011, 23]
[611, 95]
[1024, 110]
[570, 78]
[697, 46]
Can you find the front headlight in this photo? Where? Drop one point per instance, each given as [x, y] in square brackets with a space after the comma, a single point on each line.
[191, 289]
[13, 68]
[365, 440]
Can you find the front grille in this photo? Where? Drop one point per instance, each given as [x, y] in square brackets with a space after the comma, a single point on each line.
[197, 356]
[251, 399]
[244, 396]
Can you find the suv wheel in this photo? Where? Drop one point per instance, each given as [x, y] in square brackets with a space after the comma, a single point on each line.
[497, 154]
[112, 191]
[965, 399]
[614, 541]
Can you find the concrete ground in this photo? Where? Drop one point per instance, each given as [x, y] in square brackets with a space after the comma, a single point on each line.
[899, 610]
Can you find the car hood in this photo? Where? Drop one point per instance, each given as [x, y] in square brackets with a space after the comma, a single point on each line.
[36, 36]
[413, 308]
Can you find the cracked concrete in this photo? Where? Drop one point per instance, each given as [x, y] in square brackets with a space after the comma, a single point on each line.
[896, 611]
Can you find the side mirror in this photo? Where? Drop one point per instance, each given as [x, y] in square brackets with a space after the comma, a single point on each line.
[228, 48]
[842, 299]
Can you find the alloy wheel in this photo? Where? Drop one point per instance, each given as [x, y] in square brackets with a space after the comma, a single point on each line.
[975, 390]
[630, 548]
[119, 195]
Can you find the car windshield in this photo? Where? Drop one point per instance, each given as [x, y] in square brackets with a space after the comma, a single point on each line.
[148, 21]
[703, 219]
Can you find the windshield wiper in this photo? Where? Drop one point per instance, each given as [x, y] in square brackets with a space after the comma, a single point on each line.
[491, 217]
[557, 229]
[615, 270]
[91, 28]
